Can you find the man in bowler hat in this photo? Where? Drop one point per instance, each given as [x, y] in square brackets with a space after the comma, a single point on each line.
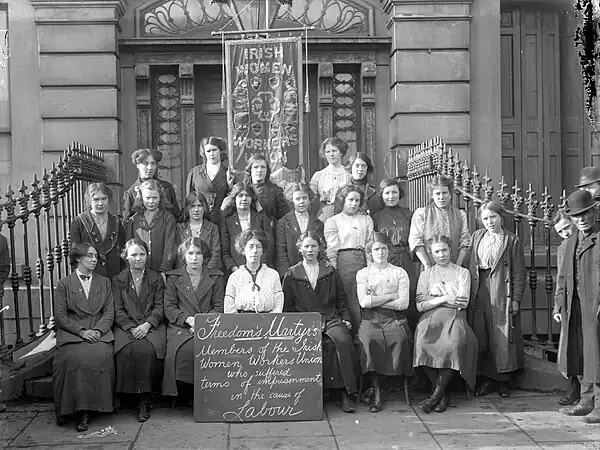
[589, 180]
[577, 294]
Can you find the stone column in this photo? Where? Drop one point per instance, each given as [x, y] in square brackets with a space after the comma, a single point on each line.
[79, 76]
[430, 73]
[368, 74]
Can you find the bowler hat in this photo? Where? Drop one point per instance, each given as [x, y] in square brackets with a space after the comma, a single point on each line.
[588, 175]
[579, 202]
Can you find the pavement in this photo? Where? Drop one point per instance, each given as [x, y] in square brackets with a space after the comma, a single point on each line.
[524, 421]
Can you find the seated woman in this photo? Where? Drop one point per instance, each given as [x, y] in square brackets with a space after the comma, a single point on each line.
[192, 289]
[292, 225]
[311, 286]
[386, 339]
[140, 331]
[197, 224]
[83, 370]
[254, 288]
[103, 229]
[444, 341]
[241, 215]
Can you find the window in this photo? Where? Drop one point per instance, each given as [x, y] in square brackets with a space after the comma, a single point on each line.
[346, 105]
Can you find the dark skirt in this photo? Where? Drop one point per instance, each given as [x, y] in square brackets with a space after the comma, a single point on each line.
[400, 256]
[84, 378]
[184, 363]
[138, 370]
[332, 372]
[386, 343]
[340, 362]
[444, 340]
[350, 261]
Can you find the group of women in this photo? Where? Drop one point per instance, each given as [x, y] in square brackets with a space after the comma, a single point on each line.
[125, 314]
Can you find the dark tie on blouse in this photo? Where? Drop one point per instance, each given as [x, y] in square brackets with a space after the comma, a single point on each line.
[85, 277]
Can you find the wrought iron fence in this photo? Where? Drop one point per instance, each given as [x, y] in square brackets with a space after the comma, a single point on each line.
[51, 202]
[471, 189]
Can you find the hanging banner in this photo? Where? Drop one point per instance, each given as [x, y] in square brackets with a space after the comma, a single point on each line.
[264, 101]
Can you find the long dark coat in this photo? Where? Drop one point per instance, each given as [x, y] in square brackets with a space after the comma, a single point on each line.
[214, 190]
[329, 299]
[182, 301]
[209, 234]
[74, 312]
[560, 307]
[231, 229]
[132, 310]
[84, 229]
[288, 233]
[587, 253]
[169, 196]
[507, 283]
[271, 199]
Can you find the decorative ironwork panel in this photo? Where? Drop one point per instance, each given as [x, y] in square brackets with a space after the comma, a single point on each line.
[345, 108]
[177, 17]
[332, 16]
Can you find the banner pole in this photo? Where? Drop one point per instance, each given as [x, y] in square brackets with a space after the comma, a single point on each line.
[267, 14]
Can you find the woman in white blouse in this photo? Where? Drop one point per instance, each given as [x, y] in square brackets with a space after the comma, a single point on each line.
[325, 183]
[384, 334]
[254, 287]
[347, 235]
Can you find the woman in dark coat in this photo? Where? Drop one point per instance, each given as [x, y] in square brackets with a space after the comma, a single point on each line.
[102, 229]
[292, 225]
[192, 289]
[140, 331]
[444, 341]
[211, 177]
[83, 368]
[155, 226]
[384, 334]
[195, 223]
[270, 196]
[241, 215]
[311, 286]
[498, 277]
[146, 161]
[360, 167]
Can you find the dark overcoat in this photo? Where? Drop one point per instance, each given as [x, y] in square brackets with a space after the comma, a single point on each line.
[507, 283]
[132, 310]
[271, 199]
[209, 234]
[231, 229]
[286, 237]
[560, 307]
[75, 312]
[214, 190]
[182, 301]
[84, 229]
[170, 198]
[585, 252]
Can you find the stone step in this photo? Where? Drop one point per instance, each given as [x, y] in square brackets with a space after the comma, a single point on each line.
[39, 388]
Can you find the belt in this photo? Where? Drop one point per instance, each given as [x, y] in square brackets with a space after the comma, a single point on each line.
[352, 250]
[244, 311]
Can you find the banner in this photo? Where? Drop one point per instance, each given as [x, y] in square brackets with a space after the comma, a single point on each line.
[264, 101]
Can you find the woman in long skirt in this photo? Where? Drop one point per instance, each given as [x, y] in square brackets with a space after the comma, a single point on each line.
[384, 334]
[140, 332]
[444, 342]
[312, 286]
[83, 368]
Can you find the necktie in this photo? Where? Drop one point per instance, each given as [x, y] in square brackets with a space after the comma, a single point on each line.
[85, 277]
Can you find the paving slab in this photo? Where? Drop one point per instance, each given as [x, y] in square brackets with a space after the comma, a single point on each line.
[470, 418]
[30, 407]
[571, 445]
[43, 429]
[175, 429]
[279, 429]
[283, 443]
[79, 446]
[11, 424]
[509, 440]
[397, 438]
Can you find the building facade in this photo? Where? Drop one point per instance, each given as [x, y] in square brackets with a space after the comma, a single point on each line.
[498, 80]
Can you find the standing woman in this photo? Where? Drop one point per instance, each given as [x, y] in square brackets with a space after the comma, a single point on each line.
[394, 221]
[254, 288]
[312, 286]
[146, 161]
[140, 332]
[239, 216]
[439, 217]
[101, 228]
[192, 289]
[348, 234]
[83, 369]
[155, 226]
[384, 334]
[292, 225]
[325, 183]
[360, 167]
[212, 178]
[195, 223]
[270, 196]
[497, 287]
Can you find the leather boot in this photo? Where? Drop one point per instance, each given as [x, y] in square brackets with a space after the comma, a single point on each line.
[573, 394]
[443, 378]
[377, 404]
[82, 423]
[346, 403]
[144, 411]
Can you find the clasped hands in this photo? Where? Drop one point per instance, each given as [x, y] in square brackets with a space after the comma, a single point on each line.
[141, 331]
[90, 336]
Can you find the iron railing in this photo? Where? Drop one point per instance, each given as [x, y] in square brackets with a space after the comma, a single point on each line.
[471, 189]
[50, 202]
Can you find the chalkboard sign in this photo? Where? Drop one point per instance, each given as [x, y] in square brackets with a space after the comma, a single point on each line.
[258, 367]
